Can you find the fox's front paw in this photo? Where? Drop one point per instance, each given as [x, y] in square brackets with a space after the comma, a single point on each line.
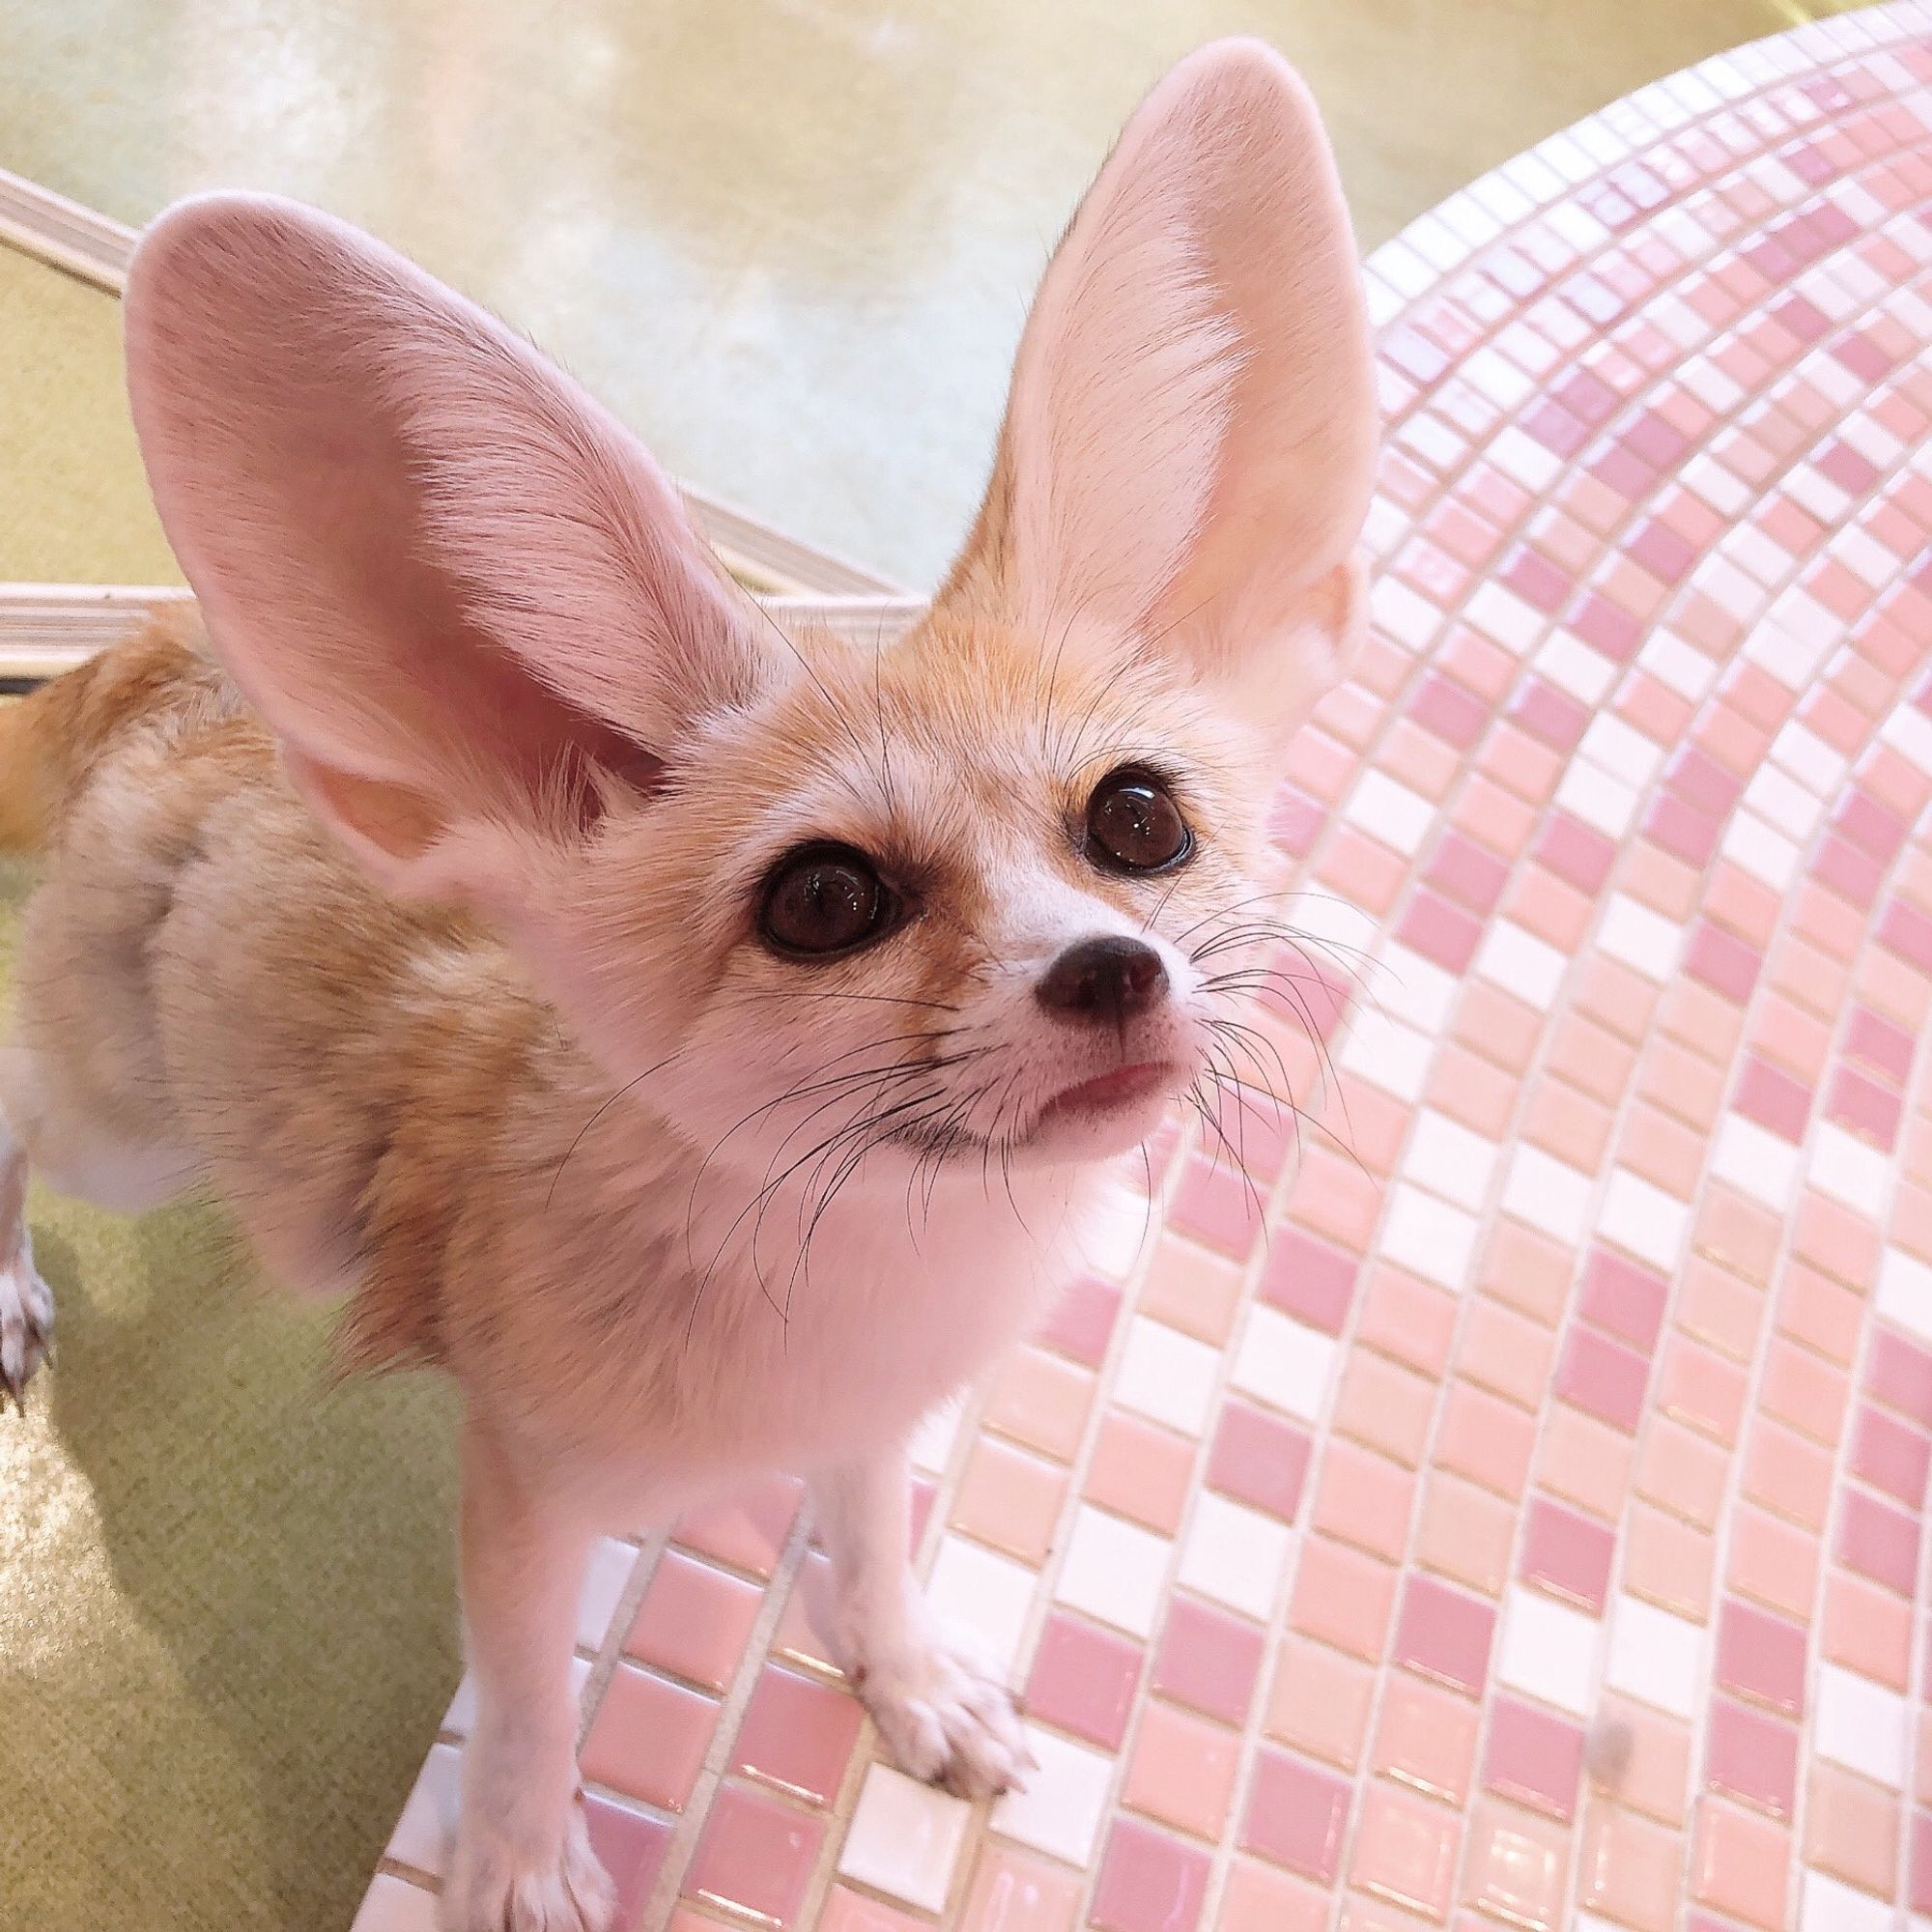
[946, 1714]
[26, 1321]
[495, 1886]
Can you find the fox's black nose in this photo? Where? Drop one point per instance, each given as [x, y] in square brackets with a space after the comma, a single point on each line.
[1104, 979]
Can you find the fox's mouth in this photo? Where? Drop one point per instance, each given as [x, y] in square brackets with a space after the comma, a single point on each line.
[1108, 1092]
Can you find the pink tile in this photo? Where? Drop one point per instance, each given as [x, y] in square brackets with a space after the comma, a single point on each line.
[843, 1911]
[1141, 1471]
[1364, 1498]
[1218, 1205]
[1739, 1864]
[1343, 1597]
[1183, 1769]
[1899, 1375]
[694, 1622]
[1868, 1630]
[1013, 1892]
[1533, 1757]
[1445, 1634]
[1761, 1657]
[649, 1739]
[1440, 931]
[1208, 1659]
[748, 1531]
[1259, 1459]
[756, 1855]
[1752, 1757]
[1603, 1378]
[1892, 1456]
[1879, 1541]
[1083, 1680]
[1884, 1047]
[1148, 1882]
[1568, 1553]
[1309, 1279]
[1702, 1389]
[1297, 1815]
[1518, 1869]
[632, 1850]
[1405, 1850]
[798, 1735]
[1426, 1738]
[1773, 1099]
[1083, 1320]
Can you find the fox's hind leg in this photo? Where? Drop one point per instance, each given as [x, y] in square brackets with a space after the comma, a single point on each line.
[26, 1308]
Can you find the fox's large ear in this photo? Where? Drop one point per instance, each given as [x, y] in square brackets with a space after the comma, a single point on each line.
[1188, 447]
[462, 595]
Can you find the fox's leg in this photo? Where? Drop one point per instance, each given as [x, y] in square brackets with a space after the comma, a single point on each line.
[943, 1709]
[26, 1308]
[522, 1860]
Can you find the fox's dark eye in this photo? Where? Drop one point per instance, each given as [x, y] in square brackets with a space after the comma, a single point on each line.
[823, 900]
[1133, 824]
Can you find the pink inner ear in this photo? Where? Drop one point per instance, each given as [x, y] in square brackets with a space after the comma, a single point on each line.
[426, 557]
[1191, 436]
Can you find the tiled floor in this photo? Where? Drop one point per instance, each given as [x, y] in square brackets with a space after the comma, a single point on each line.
[1510, 1512]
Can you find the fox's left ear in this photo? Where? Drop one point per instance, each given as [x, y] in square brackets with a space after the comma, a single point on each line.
[1188, 447]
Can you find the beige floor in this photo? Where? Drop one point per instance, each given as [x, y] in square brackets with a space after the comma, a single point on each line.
[792, 239]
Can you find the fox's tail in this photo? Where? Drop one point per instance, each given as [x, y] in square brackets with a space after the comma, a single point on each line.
[51, 739]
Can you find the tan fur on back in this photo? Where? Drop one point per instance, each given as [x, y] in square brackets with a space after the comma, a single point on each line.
[217, 976]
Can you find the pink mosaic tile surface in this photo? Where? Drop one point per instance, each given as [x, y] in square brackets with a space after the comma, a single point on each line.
[1524, 1527]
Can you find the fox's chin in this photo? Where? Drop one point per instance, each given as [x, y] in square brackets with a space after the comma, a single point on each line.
[1095, 1119]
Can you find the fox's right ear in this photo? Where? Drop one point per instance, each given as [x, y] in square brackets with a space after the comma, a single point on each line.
[462, 595]
[1188, 451]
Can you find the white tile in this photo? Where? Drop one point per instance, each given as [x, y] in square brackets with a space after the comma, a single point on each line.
[1785, 802]
[1060, 1810]
[1597, 799]
[423, 1834]
[1687, 670]
[1755, 1160]
[605, 1577]
[1656, 1657]
[1500, 381]
[1114, 1571]
[1501, 615]
[1909, 732]
[392, 1906]
[1428, 1236]
[1408, 987]
[1114, 1234]
[1235, 1555]
[1641, 1217]
[1166, 1375]
[1520, 963]
[1573, 665]
[1832, 1906]
[985, 1593]
[1403, 616]
[1765, 854]
[1905, 1291]
[934, 1440]
[1286, 1363]
[1814, 491]
[1862, 1725]
[1399, 817]
[1496, 611]
[1849, 1170]
[1388, 1054]
[1445, 1155]
[1621, 749]
[1549, 1193]
[1548, 1650]
[1642, 938]
[904, 1838]
[1725, 493]
[1819, 769]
